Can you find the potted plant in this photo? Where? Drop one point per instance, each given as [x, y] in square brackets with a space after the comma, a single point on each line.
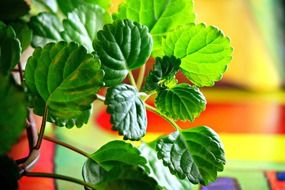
[81, 49]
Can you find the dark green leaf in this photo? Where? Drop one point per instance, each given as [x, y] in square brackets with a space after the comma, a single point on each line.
[83, 23]
[118, 152]
[46, 28]
[160, 16]
[66, 79]
[13, 113]
[183, 102]
[128, 112]
[195, 153]
[204, 52]
[161, 173]
[10, 49]
[163, 70]
[13, 9]
[9, 173]
[122, 46]
[23, 33]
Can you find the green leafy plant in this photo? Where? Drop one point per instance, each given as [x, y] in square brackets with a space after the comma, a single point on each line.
[79, 49]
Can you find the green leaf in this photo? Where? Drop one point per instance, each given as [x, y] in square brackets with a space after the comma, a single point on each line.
[83, 23]
[67, 6]
[161, 173]
[122, 47]
[182, 102]
[118, 152]
[128, 112]
[9, 173]
[66, 79]
[163, 70]
[46, 28]
[10, 49]
[195, 153]
[13, 9]
[204, 52]
[23, 33]
[160, 16]
[13, 113]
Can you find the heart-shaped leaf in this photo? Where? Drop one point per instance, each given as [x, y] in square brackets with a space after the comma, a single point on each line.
[13, 113]
[23, 33]
[163, 70]
[204, 52]
[128, 112]
[122, 46]
[9, 173]
[182, 102]
[65, 78]
[10, 49]
[13, 9]
[195, 153]
[160, 16]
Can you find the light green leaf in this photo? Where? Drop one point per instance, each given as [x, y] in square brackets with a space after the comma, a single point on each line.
[122, 47]
[118, 152]
[66, 79]
[23, 33]
[13, 9]
[83, 23]
[204, 52]
[182, 102]
[160, 16]
[195, 153]
[161, 173]
[163, 70]
[128, 112]
[13, 113]
[10, 49]
[46, 28]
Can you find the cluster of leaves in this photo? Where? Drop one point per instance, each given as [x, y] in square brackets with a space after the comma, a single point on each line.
[81, 48]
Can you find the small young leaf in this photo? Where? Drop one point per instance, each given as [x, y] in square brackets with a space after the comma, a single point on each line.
[204, 52]
[13, 113]
[66, 79]
[128, 112]
[9, 173]
[195, 153]
[161, 173]
[122, 47]
[83, 23]
[23, 33]
[13, 9]
[10, 49]
[182, 102]
[160, 16]
[164, 69]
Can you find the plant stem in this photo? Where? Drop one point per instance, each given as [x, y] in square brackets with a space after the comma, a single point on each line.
[141, 77]
[169, 120]
[20, 70]
[66, 146]
[42, 130]
[58, 176]
[132, 79]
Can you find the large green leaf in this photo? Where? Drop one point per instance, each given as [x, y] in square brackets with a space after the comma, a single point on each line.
[13, 9]
[195, 153]
[160, 16]
[182, 102]
[128, 112]
[163, 70]
[161, 173]
[10, 49]
[23, 33]
[9, 173]
[204, 52]
[66, 79]
[118, 152]
[83, 23]
[122, 46]
[13, 113]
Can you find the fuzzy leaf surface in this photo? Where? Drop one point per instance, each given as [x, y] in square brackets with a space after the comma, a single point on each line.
[128, 112]
[122, 46]
[204, 52]
[66, 78]
[195, 153]
[183, 101]
[160, 16]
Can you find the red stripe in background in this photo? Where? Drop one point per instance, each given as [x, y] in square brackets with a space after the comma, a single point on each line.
[258, 118]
